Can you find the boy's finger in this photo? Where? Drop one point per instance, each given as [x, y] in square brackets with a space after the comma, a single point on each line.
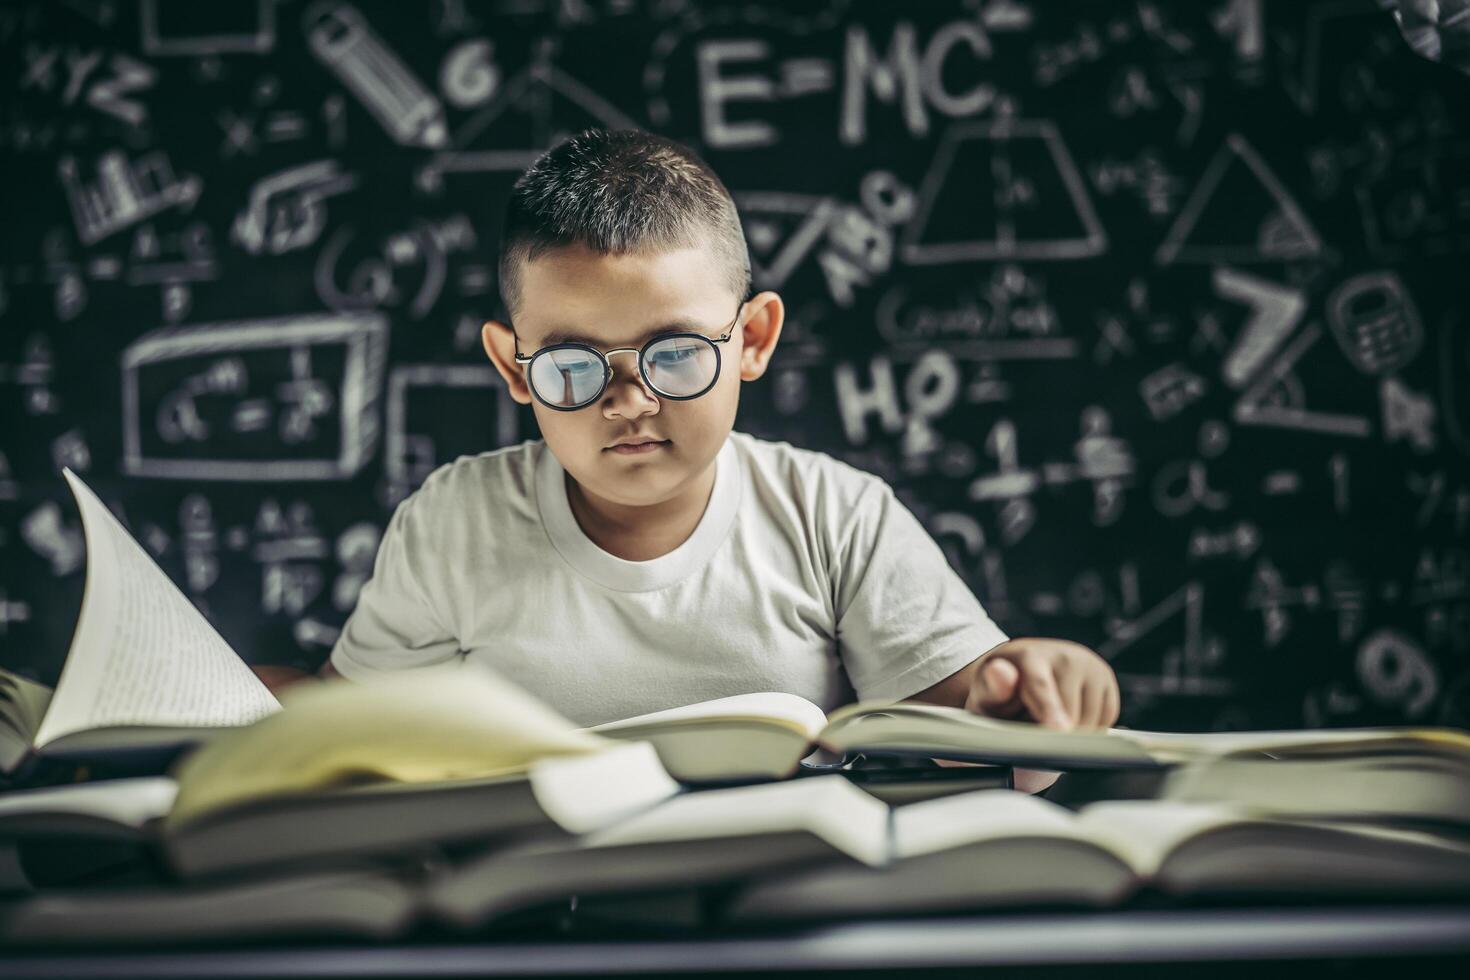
[1070, 685]
[1110, 716]
[998, 680]
[1043, 700]
[993, 690]
[1094, 704]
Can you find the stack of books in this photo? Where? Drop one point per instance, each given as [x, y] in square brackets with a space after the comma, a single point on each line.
[161, 795]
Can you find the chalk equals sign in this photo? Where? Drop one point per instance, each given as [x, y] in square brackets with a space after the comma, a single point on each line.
[285, 125]
[253, 415]
[295, 548]
[1004, 485]
[104, 268]
[12, 611]
[474, 280]
[1047, 604]
[1057, 473]
[1280, 482]
[806, 76]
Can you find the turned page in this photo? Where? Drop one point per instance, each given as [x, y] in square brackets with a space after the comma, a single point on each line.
[142, 654]
[777, 707]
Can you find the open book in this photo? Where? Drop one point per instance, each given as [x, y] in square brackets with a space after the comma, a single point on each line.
[81, 832]
[145, 671]
[356, 770]
[751, 736]
[365, 767]
[1001, 848]
[698, 838]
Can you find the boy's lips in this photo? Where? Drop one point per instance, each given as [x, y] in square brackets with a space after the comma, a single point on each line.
[636, 446]
[635, 441]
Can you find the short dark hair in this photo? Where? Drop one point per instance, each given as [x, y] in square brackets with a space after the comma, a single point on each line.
[619, 191]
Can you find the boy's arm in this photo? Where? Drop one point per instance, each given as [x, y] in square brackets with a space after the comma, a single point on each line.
[276, 677]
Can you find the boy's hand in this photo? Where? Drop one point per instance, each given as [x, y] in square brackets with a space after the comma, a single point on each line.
[1056, 683]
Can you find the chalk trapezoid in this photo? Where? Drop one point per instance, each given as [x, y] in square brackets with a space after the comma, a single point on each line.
[1010, 210]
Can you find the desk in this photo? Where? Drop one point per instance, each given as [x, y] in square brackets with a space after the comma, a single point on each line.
[1337, 942]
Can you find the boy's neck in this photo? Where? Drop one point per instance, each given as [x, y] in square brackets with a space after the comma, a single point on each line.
[641, 533]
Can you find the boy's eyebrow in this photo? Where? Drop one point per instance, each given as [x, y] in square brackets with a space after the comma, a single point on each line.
[572, 337]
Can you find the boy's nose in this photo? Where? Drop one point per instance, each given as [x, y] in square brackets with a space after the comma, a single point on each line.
[629, 399]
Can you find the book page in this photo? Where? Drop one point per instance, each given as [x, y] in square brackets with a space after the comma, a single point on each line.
[1374, 787]
[777, 707]
[581, 793]
[924, 726]
[142, 654]
[691, 839]
[940, 731]
[27, 701]
[986, 814]
[1144, 832]
[129, 802]
[426, 726]
[828, 807]
[1183, 746]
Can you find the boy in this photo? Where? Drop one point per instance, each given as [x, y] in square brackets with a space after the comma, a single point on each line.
[642, 555]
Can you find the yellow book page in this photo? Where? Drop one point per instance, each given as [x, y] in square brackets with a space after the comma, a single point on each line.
[1183, 746]
[465, 724]
[770, 707]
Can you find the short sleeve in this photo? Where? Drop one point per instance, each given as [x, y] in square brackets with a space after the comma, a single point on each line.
[905, 618]
[395, 625]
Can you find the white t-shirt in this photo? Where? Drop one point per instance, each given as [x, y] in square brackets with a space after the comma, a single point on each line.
[805, 575]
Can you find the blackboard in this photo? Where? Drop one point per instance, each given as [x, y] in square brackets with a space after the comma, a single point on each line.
[1154, 313]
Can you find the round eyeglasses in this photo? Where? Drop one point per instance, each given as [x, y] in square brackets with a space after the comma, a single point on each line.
[681, 366]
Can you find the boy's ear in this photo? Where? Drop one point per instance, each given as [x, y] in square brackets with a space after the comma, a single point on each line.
[500, 345]
[762, 330]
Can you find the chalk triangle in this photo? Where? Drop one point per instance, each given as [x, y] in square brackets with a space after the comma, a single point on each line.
[1005, 189]
[781, 230]
[1239, 212]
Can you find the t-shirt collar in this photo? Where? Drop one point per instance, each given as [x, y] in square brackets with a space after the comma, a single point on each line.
[583, 554]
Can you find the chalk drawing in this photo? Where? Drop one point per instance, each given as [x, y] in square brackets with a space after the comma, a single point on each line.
[983, 193]
[220, 409]
[1239, 212]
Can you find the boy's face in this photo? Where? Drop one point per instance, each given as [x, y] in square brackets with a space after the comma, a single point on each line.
[612, 301]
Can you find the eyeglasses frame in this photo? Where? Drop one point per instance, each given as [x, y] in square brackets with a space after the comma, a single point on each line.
[607, 370]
